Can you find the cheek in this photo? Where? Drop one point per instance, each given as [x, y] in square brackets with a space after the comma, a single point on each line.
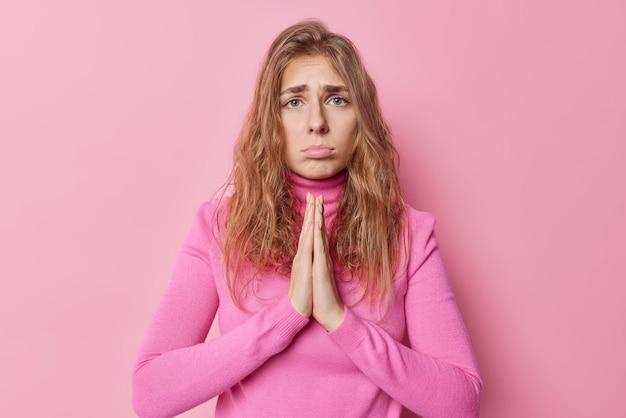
[286, 131]
[289, 147]
[350, 129]
[289, 128]
[352, 142]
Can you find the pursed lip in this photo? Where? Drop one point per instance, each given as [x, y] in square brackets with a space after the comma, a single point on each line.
[318, 151]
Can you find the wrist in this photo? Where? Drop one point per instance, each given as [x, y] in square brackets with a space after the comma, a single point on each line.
[335, 320]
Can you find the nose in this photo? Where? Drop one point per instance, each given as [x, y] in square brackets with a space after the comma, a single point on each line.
[317, 120]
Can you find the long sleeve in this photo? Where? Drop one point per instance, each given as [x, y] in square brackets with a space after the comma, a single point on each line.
[437, 375]
[176, 368]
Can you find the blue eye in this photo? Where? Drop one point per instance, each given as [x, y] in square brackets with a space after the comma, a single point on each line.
[293, 103]
[338, 101]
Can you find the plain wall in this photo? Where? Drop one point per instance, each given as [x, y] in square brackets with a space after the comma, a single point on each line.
[117, 120]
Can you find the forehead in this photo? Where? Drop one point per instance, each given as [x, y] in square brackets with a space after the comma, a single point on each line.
[310, 69]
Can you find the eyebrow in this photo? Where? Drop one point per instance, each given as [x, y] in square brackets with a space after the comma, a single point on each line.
[335, 89]
[303, 87]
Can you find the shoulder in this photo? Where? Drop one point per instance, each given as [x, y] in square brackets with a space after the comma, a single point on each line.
[211, 214]
[419, 236]
[212, 206]
[419, 223]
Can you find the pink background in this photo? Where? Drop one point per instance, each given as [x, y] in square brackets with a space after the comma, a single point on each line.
[117, 120]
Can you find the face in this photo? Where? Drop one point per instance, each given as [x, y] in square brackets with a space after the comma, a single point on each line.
[318, 118]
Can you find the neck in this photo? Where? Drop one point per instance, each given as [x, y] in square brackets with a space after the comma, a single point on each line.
[331, 188]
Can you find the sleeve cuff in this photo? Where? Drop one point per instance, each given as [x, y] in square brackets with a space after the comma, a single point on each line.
[287, 321]
[350, 333]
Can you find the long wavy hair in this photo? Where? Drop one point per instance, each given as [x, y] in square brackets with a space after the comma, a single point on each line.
[262, 218]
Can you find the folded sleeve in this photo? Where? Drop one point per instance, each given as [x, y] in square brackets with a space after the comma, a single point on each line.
[437, 375]
[176, 369]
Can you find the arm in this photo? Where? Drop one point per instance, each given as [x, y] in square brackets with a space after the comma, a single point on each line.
[176, 369]
[437, 376]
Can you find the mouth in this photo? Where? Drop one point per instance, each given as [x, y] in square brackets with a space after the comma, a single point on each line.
[317, 151]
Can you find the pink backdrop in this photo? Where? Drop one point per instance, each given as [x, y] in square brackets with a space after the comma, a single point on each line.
[117, 120]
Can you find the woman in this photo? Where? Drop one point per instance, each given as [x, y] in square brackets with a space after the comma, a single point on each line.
[315, 264]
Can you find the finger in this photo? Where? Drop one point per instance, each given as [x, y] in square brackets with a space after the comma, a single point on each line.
[319, 211]
[321, 258]
[303, 228]
[300, 290]
[327, 305]
[321, 222]
[307, 220]
[303, 259]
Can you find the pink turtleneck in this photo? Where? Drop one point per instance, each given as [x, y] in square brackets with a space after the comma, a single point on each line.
[271, 362]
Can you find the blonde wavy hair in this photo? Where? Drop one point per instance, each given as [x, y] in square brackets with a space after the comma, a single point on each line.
[262, 217]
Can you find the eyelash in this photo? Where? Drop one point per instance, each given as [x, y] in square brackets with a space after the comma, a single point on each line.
[290, 101]
[345, 101]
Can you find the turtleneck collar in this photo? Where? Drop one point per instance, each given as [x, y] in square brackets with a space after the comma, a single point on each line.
[331, 188]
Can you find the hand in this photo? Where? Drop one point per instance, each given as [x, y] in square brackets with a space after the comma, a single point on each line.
[328, 309]
[300, 287]
[312, 289]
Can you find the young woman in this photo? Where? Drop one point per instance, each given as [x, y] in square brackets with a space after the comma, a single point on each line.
[317, 267]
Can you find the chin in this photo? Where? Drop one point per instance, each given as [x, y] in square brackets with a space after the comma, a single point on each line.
[318, 174]
[317, 170]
